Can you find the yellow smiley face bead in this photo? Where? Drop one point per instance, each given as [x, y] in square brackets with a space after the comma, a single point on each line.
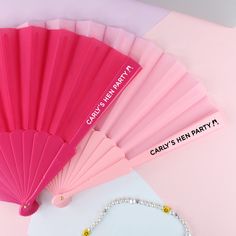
[86, 232]
[166, 209]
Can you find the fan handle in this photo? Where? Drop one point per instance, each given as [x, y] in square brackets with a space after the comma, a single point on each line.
[61, 200]
[29, 209]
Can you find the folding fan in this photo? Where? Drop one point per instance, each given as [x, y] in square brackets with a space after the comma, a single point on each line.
[54, 85]
[161, 105]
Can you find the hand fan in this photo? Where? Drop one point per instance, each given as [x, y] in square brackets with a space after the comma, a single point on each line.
[54, 85]
[163, 108]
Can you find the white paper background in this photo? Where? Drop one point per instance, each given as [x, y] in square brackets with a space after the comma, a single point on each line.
[125, 220]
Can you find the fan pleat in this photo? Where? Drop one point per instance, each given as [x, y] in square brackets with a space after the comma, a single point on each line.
[163, 101]
[93, 160]
[184, 120]
[111, 157]
[9, 76]
[71, 169]
[8, 165]
[34, 41]
[6, 193]
[94, 142]
[16, 144]
[150, 56]
[163, 117]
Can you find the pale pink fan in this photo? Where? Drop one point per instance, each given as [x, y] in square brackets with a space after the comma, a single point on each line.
[54, 85]
[163, 108]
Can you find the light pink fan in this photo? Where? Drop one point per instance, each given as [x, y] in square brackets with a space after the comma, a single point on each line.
[163, 108]
[54, 85]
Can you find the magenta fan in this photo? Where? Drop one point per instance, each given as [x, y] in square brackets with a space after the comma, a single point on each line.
[163, 108]
[54, 85]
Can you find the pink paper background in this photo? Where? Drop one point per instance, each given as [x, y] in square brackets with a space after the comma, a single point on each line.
[199, 179]
[12, 224]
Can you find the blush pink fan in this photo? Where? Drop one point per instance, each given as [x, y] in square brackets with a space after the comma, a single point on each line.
[52, 89]
[161, 104]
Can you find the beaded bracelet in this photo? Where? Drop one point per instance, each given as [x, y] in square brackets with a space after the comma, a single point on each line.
[128, 200]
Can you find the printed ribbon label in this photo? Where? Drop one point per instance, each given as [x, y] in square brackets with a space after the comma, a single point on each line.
[180, 139]
[118, 84]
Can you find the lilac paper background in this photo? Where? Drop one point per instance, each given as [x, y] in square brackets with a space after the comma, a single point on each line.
[132, 15]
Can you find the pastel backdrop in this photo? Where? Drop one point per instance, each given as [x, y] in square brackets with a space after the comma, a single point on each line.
[198, 179]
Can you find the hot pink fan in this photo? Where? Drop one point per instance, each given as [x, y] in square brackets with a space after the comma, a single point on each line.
[54, 84]
[163, 108]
